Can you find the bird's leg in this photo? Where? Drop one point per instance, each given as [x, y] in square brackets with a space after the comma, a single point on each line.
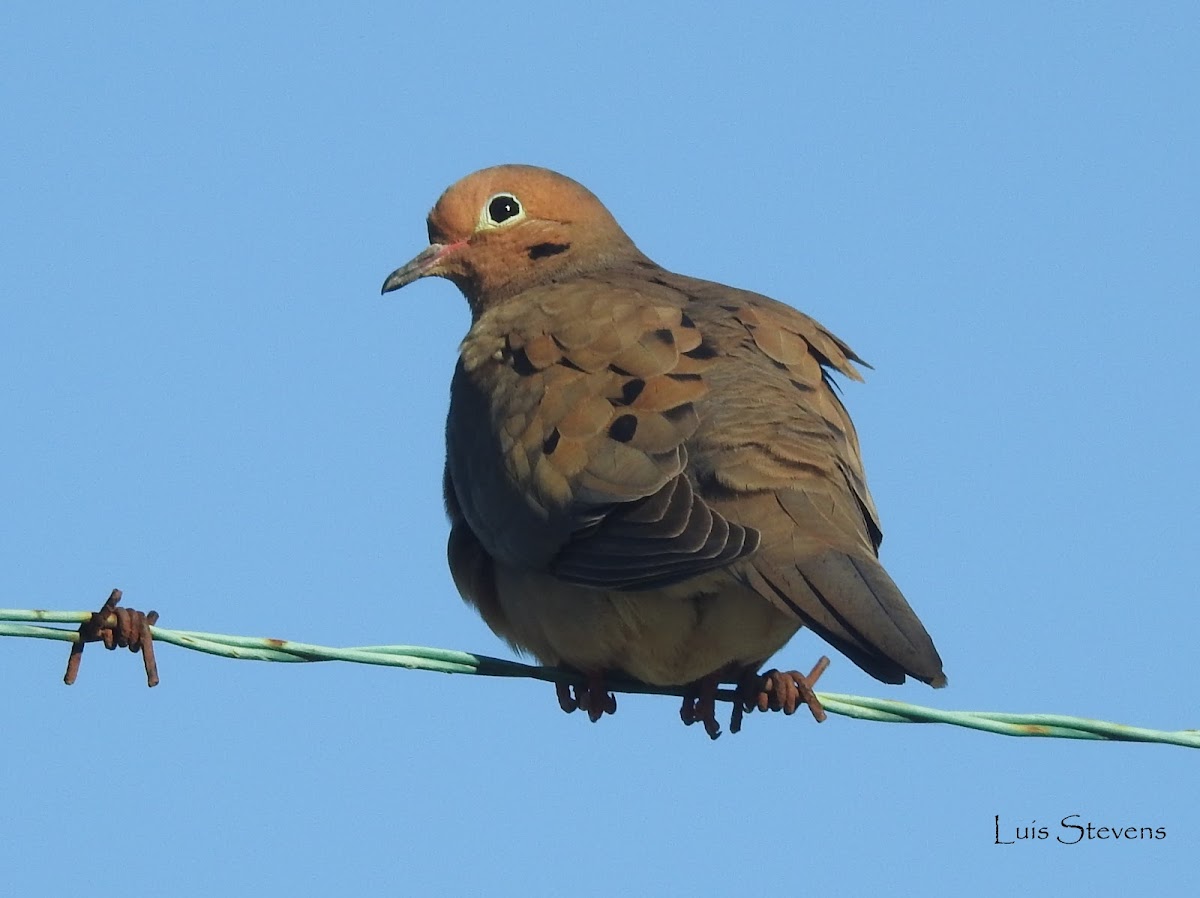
[591, 696]
[778, 691]
[700, 704]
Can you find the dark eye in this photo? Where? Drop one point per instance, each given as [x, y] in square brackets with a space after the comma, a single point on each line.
[502, 207]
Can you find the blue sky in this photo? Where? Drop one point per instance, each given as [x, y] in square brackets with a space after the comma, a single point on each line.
[207, 403]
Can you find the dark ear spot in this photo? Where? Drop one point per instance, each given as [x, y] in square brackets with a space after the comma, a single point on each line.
[541, 250]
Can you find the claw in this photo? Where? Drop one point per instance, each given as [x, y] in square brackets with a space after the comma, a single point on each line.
[591, 697]
[700, 705]
[565, 700]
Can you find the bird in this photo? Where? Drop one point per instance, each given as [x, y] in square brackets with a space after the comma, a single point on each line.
[650, 476]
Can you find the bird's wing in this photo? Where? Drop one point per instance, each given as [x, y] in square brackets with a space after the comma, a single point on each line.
[567, 439]
[777, 452]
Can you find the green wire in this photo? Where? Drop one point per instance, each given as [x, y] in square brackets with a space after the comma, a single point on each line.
[31, 624]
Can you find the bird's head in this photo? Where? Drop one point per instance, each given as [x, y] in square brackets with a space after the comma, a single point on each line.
[506, 229]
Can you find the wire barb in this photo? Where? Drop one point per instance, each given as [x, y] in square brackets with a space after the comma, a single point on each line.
[32, 624]
[116, 628]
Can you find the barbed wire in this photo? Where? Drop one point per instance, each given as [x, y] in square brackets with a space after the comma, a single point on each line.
[34, 624]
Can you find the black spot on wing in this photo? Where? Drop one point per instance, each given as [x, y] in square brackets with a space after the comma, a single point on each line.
[703, 351]
[521, 363]
[623, 428]
[631, 390]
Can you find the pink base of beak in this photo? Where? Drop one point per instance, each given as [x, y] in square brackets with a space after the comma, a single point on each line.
[424, 264]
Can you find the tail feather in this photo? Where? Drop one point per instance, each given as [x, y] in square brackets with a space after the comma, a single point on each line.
[852, 603]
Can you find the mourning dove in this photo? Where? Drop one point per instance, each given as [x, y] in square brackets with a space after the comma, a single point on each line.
[650, 475]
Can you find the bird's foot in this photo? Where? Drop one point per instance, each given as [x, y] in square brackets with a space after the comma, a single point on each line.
[591, 696]
[778, 691]
[700, 705]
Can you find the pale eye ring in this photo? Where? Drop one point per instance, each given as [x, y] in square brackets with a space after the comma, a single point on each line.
[501, 209]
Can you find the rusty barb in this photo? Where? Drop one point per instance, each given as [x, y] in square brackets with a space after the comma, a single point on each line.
[116, 628]
[788, 690]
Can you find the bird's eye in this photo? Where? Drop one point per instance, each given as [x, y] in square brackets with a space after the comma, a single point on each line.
[501, 209]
